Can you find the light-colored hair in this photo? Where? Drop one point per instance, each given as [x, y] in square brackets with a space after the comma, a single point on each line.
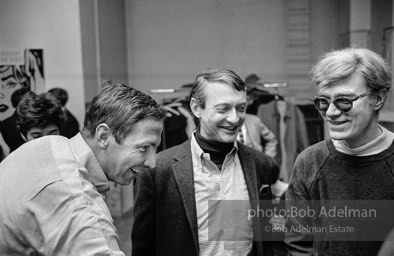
[338, 65]
[120, 107]
[221, 75]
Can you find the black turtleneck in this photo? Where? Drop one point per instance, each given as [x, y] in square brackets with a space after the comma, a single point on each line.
[217, 150]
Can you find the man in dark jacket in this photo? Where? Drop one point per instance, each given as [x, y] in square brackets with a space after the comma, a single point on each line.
[177, 204]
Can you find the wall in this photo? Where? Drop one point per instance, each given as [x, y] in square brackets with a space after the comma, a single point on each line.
[325, 22]
[381, 19]
[55, 27]
[112, 36]
[90, 48]
[103, 44]
[169, 42]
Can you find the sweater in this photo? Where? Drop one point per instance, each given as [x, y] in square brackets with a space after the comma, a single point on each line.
[323, 173]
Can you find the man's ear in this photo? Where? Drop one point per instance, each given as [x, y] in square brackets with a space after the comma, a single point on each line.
[380, 98]
[103, 133]
[195, 108]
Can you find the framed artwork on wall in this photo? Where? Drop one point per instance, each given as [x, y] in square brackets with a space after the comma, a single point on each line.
[18, 69]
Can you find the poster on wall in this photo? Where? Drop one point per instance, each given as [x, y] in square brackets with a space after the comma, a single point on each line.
[19, 69]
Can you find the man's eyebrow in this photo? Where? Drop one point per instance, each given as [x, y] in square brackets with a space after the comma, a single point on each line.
[221, 104]
[338, 95]
[346, 94]
[147, 143]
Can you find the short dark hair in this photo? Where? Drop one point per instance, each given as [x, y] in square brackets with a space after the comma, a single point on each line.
[38, 111]
[18, 95]
[60, 94]
[220, 75]
[120, 107]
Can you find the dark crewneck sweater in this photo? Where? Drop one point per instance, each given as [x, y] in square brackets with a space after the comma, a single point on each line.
[323, 173]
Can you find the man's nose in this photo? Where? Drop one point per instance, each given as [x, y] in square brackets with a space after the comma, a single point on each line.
[150, 161]
[233, 116]
[333, 110]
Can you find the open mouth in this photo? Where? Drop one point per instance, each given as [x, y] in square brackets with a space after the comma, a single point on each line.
[230, 128]
[3, 108]
[337, 122]
[134, 171]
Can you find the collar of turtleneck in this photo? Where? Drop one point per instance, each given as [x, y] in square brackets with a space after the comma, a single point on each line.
[217, 150]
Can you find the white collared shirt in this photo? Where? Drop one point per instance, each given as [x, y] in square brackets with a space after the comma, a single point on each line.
[50, 201]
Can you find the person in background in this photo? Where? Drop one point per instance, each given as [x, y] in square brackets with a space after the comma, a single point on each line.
[11, 135]
[355, 163]
[171, 205]
[52, 188]
[254, 132]
[71, 126]
[256, 135]
[39, 115]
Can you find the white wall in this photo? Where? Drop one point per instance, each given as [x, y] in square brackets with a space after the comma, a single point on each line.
[325, 22]
[53, 26]
[170, 42]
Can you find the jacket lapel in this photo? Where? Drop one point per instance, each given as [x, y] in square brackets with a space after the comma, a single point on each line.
[183, 172]
[250, 174]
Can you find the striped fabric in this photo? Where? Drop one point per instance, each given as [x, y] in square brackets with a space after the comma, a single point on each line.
[211, 185]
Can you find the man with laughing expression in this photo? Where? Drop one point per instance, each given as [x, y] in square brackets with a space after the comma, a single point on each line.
[174, 200]
[52, 188]
[356, 162]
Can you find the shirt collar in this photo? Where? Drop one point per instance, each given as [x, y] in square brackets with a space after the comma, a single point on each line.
[85, 155]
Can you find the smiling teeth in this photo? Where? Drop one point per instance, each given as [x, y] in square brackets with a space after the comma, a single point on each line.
[134, 170]
[230, 127]
[337, 122]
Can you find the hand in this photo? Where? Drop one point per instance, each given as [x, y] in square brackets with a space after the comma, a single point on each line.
[278, 222]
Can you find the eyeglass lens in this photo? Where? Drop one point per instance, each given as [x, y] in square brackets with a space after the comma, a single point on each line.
[343, 104]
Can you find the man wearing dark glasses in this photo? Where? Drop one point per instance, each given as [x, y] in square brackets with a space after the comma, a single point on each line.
[354, 165]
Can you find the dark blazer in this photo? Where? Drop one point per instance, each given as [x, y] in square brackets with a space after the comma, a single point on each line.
[165, 220]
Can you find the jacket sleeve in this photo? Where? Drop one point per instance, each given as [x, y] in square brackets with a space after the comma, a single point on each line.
[143, 235]
[297, 199]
